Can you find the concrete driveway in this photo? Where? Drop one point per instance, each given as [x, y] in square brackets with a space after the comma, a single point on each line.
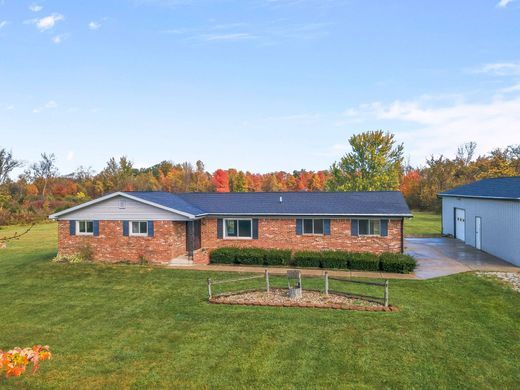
[445, 256]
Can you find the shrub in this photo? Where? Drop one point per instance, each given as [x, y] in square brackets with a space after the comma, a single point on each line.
[250, 256]
[307, 259]
[397, 262]
[363, 261]
[335, 259]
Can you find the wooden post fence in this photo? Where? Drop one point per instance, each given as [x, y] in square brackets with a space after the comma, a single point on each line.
[267, 287]
[326, 283]
[209, 288]
[386, 293]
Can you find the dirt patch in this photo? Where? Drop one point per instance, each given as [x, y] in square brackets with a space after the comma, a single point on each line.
[280, 297]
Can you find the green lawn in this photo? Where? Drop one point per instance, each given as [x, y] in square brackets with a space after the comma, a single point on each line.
[139, 327]
[423, 223]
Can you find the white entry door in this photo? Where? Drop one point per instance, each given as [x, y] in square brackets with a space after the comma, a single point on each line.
[478, 234]
[460, 224]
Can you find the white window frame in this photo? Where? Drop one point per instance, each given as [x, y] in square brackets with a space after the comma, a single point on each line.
[79, 233]
[369, 224]
[226, 237]
[313, 227]
[138, 234]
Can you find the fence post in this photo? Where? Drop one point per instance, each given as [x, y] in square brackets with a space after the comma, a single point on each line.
[267, 287]
[209, 287]
[386, 293]
[326, 283]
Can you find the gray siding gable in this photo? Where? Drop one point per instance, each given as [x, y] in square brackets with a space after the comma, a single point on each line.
[109, 210]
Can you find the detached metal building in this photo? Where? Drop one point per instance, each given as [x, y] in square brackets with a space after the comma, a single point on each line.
[485, 215]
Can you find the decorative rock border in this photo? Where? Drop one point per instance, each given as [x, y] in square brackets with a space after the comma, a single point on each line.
[296, 303]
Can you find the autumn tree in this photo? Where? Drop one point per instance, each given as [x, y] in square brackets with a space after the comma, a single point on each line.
[375, 163]
[7, 164]
[221, 181]
[43, 171]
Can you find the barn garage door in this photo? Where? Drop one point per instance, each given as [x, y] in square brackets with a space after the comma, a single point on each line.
[460, 224]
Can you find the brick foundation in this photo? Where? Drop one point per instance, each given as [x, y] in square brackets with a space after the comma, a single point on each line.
[111, 245]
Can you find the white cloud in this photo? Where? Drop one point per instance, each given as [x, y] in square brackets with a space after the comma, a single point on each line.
[71, 155]
[504, 3]
[437, 129]
[49, 105]
[512, 88]
[48, 22]
[57, 39]
[500, 68]
[94, 25]
[35, 7]
[3, 23]
[227, 37]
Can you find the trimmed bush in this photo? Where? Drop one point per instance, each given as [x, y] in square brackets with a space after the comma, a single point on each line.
[308, 259]
[360, 261]
[397, 262]
[363, 261]
[250, 256]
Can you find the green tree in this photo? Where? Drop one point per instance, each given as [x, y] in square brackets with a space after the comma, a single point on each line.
[375, 163]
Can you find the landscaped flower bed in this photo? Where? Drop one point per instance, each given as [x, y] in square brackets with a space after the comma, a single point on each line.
[280, 297]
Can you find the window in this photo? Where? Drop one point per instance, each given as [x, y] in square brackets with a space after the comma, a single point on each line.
[238, 228]
[369, 227]
[139, 228]
[313, 226]
[85, 227]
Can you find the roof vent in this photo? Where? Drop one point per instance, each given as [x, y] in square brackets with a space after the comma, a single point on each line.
[281, 199]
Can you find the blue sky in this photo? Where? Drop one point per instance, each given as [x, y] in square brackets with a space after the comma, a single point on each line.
[256, 85]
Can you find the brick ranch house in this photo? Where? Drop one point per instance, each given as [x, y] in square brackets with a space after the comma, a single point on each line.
[164, 227]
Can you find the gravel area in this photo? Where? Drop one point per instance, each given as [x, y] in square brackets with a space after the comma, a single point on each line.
[511, 278]
[280, 297]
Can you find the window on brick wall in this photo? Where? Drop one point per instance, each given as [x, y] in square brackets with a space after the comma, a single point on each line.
[85, 228]
[312, 226]
[238, 228]
[139, 228]
[369, 227]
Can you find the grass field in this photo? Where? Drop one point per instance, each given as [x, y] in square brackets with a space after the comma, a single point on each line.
[124, 326]
[423, 223]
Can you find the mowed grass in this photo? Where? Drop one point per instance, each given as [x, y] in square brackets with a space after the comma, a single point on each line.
[423, 223]
[125, 326]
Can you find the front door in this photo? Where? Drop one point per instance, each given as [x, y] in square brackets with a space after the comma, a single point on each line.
[478, 234]
[193, 236]
[460, 224]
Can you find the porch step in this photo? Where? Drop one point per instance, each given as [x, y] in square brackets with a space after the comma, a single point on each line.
[181, 260]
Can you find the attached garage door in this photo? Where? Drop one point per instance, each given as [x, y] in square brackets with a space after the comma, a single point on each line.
[460, 224]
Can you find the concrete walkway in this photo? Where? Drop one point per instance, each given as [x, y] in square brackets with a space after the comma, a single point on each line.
[283, 271]
[446, 256]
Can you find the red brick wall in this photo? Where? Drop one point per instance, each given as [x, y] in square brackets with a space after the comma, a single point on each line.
[281, 233]
[169, 241]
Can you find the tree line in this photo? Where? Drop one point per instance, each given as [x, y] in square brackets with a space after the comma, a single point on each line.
[375, 162]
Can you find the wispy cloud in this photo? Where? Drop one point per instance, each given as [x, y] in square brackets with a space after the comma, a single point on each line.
[504, 3]
[57, 39]
[3, 23]
[266, 34]
[35, 7]
[47, 22]
[500, 68]
[49, 105]
[93, 25]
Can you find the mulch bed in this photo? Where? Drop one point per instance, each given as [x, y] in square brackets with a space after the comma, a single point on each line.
[280, 298]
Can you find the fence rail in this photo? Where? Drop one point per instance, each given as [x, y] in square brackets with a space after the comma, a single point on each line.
[211, 282]
[383, 300]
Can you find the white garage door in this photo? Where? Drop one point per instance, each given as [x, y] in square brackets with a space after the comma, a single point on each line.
[460, 224]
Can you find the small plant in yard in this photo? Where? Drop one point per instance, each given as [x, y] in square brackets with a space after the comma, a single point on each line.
[15, 361]
[84, 255]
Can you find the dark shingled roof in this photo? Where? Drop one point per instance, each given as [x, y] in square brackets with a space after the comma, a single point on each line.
[497, 188]
[380, 203]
